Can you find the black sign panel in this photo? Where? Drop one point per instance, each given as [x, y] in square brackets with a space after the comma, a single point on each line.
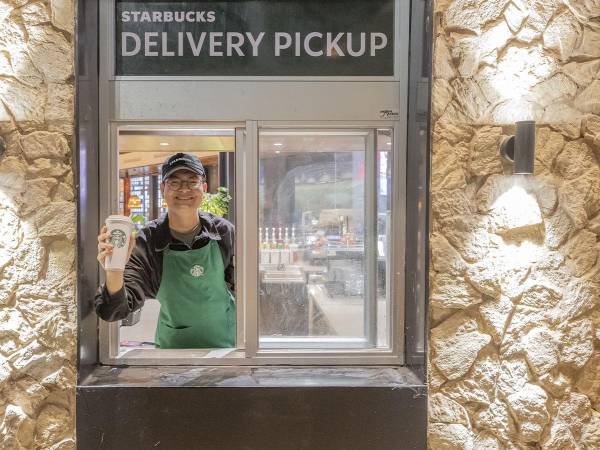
[255, 38]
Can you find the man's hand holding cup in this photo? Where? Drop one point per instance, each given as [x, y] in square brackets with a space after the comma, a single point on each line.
[115, 245]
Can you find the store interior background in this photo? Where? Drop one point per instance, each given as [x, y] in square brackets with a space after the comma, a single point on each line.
[506, 371]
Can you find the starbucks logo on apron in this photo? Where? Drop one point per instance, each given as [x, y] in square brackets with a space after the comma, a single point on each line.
[118, 238]
[197, 271]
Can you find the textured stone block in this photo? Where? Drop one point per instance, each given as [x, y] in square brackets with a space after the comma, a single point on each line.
[59, 108]
[496, 419]
[529, 406]
[478, 388]
[12, 182]
[494, 314]
[42, 144]
[37, 194]
[554, 90]
[541, 350]
[455, 344]
[514, 16]
[63, 14]
[53, 425]
[590, 433]
[463, 15]
[485, 157]
[443, 409]
[56, 219]
[23, 103]
[589, 381]
[589, 46]
[451, 291]
[588, 101]
[50, 52]
[450, 437]
[581, 252]
[561, 34]
[582, 73]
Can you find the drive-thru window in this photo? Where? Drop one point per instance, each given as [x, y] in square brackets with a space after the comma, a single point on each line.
[298, 113]
[310, 120]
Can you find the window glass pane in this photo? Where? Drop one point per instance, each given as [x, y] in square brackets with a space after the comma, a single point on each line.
[313, 275]
[141, 154]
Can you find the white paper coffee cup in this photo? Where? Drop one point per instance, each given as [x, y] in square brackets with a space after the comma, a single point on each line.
[119, 230]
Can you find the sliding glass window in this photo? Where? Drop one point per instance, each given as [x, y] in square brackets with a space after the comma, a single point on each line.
[324, 219]
[319, 234]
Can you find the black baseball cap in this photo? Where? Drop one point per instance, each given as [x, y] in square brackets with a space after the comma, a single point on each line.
[180, 161]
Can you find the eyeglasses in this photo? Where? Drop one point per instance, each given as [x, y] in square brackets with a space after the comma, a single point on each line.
[177, 184]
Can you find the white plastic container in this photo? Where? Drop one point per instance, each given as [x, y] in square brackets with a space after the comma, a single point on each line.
[119, 230]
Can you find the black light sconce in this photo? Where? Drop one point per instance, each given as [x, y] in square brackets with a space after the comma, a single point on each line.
[2, 147]
[520, 148]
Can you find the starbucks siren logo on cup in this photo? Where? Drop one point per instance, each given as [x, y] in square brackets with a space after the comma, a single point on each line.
[118, 238]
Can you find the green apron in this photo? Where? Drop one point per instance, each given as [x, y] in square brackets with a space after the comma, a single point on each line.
[196, 308]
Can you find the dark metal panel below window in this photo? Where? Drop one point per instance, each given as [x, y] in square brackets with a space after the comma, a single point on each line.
[262, 408]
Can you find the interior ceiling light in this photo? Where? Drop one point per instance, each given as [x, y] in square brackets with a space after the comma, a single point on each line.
[134, 202]
[164, 144]
[277, 144]
[520, 148]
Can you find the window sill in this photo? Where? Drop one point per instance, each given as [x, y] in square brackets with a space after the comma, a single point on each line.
[227, 376]
[255, 408]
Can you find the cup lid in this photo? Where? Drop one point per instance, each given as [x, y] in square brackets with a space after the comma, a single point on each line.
[118, 218]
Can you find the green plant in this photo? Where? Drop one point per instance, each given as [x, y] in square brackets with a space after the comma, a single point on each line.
[138, 219]
[217, 203]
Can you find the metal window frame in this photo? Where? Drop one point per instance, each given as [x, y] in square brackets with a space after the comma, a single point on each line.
[244, 163]
[394, 354]
[369, 342]
[109, 352]
[248, 352]
[371, 180]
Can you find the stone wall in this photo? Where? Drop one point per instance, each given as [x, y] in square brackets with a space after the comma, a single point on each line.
[515, 280]
[37, 225]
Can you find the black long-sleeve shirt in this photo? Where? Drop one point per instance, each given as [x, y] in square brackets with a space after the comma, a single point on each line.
[143, 271]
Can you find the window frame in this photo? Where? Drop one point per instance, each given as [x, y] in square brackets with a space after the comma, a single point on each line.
[246, 160]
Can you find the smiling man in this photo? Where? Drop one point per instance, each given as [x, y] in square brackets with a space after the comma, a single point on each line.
[185, 260]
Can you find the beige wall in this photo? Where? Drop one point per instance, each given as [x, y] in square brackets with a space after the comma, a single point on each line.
[37, 226]
[515, 279]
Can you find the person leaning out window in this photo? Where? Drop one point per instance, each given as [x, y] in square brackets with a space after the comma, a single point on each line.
[184, 260]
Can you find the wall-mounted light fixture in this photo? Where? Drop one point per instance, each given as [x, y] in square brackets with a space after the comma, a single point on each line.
[2, 147]
[520, 148]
